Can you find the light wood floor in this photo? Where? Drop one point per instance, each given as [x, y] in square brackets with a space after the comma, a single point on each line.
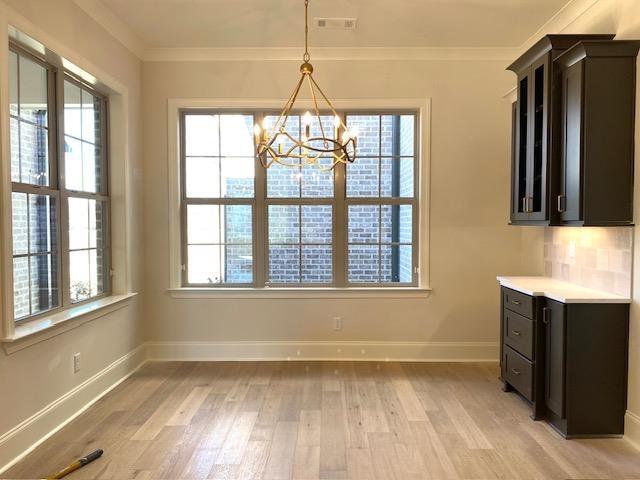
[329, 420]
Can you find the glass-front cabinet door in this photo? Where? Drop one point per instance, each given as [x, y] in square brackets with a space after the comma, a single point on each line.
[530, 131]
[520, 190]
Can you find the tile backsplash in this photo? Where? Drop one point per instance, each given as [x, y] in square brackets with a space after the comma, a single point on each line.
[593, 257]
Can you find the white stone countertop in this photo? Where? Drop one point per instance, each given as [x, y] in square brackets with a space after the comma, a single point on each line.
[559, 290]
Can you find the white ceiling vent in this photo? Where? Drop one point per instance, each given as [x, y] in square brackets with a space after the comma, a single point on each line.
[340, 23]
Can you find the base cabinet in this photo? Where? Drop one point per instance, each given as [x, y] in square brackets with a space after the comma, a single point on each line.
[575, 374]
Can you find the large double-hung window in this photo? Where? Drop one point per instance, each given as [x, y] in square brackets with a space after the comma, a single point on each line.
[298, 226]
[59, 187]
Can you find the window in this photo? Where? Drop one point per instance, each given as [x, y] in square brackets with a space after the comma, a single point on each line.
[59, 191]
[300, 226]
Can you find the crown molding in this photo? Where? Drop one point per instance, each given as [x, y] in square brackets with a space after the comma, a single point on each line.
[326, 53]
[559, 22]
[118, 29]
[97, 10]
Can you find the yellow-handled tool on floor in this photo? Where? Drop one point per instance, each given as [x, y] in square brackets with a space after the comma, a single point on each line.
[77, 464]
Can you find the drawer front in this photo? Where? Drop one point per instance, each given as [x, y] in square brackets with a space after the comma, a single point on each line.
[518, 302]
[518, 333]
[518, 371]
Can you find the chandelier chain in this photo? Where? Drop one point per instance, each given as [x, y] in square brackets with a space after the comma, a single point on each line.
[306, 57]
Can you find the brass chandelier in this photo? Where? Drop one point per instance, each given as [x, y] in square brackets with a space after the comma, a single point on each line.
[335, 142]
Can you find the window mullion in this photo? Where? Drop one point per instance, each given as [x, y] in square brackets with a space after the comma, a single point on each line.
[63, 234]
[339, 250]
[260, 247]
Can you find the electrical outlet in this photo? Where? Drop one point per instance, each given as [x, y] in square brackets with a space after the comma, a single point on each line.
[76, 363]
[337, 323]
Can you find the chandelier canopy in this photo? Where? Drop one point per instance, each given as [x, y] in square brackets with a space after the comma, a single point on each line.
[320, 137]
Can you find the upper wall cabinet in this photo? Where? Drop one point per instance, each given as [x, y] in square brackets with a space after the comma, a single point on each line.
[595, 175]
[536, 135]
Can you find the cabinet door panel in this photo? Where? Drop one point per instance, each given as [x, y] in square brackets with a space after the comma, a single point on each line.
[570, 202]
[554, 320]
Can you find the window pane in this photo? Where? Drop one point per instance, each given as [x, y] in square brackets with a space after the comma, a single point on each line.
[396, 263]
[91, 107]
[284, 263]
[202, 177]
[42, 224]
[83, 164]
[237, 177]
[363, 263]
[203, 224]
[364, 223]
[72, 110]
[80, 275]
[44, 283]
[363, 178]
[238, 224]
[91, 168]
[33, 91]
[34, 154]
[283, 181]
[236, 135]
[317, 183]
[202, 135]
[79, 223]
[15, 149]
[239, 264]
[20, 223]
[317, 264]
[396, 224]
[97, 220]
[73, 163]
[397, 177]
[284, 224]
[20, 287]
[397, 135]
[13, 83]
[317, 224]
[204, 264]
[368, 131]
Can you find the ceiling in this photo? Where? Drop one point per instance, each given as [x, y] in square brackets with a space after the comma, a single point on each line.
[381, 23]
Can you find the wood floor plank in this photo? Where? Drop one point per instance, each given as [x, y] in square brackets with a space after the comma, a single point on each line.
[321, 420]
[281, 456]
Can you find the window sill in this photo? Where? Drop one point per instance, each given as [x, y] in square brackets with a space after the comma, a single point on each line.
[36, 331]
[299, 293]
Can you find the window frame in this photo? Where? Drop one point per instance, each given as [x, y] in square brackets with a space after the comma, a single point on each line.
[339, 203]
[57, 74]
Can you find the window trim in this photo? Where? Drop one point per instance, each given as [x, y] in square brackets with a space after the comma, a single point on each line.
[421, 106]
[57, 74]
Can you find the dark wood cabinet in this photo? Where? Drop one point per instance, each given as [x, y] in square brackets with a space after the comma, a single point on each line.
[568, 360]
[536, 136]
[595, 169]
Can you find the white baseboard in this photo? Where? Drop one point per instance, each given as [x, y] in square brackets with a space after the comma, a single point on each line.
[23, 438]
[632, 428]
[291, 350]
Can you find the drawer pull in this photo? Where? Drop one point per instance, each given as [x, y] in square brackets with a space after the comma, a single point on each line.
[546, 313]
[516, 332]
[515, 371]
[515, 302]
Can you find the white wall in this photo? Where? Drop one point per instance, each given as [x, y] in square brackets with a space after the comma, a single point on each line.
[37, 376]
[470, 240]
